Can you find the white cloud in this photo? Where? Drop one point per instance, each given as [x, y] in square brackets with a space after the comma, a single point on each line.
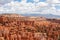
[24, 1]
[5, 1]
[36, 0]
[55, 1]
[42, 4]
[23, 7]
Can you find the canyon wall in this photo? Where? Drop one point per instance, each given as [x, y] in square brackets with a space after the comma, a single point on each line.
[28, 28]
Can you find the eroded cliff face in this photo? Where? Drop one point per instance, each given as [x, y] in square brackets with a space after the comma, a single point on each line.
[17, 27]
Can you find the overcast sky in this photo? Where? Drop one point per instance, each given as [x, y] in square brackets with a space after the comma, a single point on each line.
[30, 6]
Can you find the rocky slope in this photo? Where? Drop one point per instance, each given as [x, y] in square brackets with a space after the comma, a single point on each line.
[17, 27]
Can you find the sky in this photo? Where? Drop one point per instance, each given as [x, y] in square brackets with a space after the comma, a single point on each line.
[30, 6]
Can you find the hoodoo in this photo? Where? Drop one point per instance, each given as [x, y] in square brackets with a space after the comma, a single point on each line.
[17, 27]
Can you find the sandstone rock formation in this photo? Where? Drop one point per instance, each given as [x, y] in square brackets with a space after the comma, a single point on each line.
[17, 27]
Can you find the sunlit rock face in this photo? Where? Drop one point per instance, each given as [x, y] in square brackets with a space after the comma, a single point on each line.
[17, 27]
